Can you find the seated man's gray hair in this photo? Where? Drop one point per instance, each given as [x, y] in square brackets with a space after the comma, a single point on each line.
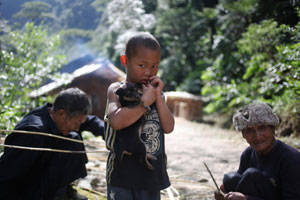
[73, 101]
[255, 114]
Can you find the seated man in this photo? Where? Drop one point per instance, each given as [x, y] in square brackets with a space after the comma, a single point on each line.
[269, 168]
[36, 175]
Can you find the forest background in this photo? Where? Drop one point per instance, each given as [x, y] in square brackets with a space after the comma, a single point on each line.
[229, 51]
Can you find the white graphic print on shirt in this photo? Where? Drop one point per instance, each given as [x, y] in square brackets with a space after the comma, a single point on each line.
[151, 132]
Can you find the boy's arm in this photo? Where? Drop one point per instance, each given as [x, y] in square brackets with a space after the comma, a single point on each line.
[122, 117]
[165, 116]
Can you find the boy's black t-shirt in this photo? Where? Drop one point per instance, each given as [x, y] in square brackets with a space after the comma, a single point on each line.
[130, 172]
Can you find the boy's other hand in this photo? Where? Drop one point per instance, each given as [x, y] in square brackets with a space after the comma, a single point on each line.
[158, 84]
[149, 94]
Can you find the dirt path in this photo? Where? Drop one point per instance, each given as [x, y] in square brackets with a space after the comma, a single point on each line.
[187, 148]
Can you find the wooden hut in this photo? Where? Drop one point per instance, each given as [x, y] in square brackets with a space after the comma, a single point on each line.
[185, 105]
[93, 78]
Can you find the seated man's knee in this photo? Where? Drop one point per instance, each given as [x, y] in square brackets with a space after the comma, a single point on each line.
[252, 174]
[230, 181]
[233, 181]
[255, 183]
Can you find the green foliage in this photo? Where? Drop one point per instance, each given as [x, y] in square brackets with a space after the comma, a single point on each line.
[239, 7]
[284, 76]
[192, 83]
[120, 19]
[261, 37]
[182, 45]
[270, 71]
[75, 14]
[35, 12]
[150, 6]
[26, 62]
[255, 51]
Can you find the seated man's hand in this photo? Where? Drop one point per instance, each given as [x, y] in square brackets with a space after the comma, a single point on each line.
[219, 196]
[230, 195]
[235, 196]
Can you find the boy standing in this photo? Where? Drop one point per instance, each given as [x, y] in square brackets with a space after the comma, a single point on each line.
[128, 178]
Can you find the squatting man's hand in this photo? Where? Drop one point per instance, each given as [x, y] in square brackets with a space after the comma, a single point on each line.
[230, 196]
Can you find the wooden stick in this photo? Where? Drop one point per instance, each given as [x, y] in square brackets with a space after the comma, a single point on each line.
[213, 178]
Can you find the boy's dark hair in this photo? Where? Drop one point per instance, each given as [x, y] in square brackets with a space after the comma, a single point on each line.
[144, 39]
[73, 101]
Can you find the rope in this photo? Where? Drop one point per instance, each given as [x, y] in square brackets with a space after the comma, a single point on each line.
[41, 133]
[47, 149]
[51, 150]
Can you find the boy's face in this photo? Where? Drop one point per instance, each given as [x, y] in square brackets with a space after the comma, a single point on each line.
[142, 66]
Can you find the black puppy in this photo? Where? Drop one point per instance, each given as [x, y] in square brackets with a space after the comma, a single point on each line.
[130, 137]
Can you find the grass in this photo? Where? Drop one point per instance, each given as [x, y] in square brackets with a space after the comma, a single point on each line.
[91, 195]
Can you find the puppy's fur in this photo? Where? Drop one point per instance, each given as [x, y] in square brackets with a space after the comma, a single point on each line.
[130, 137]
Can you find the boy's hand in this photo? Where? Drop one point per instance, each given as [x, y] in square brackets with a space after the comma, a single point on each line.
[158, 84]
[149, 94]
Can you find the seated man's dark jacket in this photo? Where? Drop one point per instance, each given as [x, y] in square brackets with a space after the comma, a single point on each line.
[281, 165]
[37, 175]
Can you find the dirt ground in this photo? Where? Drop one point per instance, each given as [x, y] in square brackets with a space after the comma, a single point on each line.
[187, 147]
[193, 143]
